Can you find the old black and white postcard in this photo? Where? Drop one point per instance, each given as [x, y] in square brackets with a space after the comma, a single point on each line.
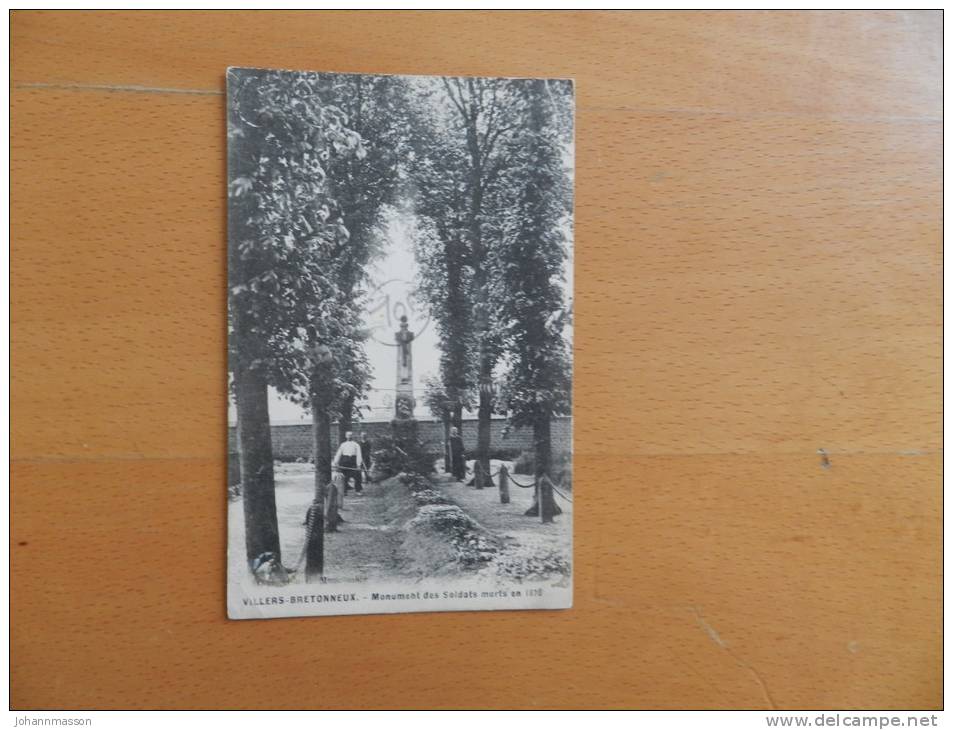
[400, 343]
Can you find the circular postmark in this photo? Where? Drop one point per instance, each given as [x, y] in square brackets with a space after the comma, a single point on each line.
[387, 303]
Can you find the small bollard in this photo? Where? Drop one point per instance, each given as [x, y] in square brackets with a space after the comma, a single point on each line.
[478, 474]
[504, 485]
[333, 501]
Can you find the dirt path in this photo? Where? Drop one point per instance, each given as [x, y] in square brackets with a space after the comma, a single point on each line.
[365, 547]
[378, 541]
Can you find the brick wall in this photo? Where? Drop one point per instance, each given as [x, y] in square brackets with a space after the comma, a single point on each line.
[293, 441]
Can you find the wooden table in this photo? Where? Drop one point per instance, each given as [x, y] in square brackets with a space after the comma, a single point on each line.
[757, 276]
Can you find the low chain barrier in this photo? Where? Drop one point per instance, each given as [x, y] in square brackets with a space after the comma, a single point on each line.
[531, 485]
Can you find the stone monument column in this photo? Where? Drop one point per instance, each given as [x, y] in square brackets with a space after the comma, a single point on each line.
[404, 401]
[404, 423]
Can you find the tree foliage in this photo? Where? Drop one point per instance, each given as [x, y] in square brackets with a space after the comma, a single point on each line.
[436, 399]
[317, 160]
[445, 283]
[365, 185]
[533, 233]
[462, 129]
[479, 168]
[285, 223]
[493, 190]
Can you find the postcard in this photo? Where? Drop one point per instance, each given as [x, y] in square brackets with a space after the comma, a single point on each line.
[399, 343]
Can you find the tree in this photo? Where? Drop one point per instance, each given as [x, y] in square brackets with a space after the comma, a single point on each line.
[484, 116]
[445, 283]
[283, 225]
[365, 185]
[530, 262]
[338, 377]
[461, 159]
[441, 406]
[338, 141]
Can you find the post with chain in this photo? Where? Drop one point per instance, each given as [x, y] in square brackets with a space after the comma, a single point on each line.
[547, 503]
[478, 474]
[504, 485]
[334, 494]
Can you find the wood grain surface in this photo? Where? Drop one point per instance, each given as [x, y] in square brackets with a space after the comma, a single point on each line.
[758, 252]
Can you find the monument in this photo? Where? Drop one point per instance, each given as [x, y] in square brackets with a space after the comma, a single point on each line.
[404, 401]
[404, 423]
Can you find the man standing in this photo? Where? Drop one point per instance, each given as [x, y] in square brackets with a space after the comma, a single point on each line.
[349, 461]
[458, 464]
[366, 454]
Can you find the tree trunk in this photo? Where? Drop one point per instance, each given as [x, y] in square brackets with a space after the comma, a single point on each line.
[321, 433]
[257, 465]
[447, 466]
[322, 462]
[346, 423]
[543, 444]
[483, 426]
[543, 496]
[457, 419]
[322, 445]
[314, 543]
[478, 260]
